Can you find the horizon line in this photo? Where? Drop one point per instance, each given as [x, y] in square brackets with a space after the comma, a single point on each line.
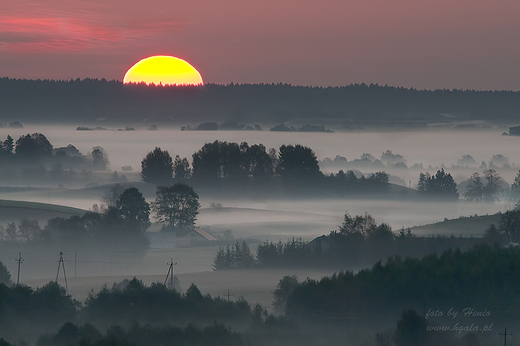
[143, 84]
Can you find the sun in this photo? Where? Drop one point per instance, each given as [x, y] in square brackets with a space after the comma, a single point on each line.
[163, 69]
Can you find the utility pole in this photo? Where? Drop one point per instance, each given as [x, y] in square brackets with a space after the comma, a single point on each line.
[170, 274]
[19, 260]
[505, 336]
[61, 263]
[229, 295]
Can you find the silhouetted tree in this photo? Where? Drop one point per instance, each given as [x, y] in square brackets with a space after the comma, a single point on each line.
[466, 160]
[411, 330]
[181, 169]
[207, 167]
[298, 165]
[8, 145]
[29, 229]
[258, 163]
[499, 160]
[5, 276]
[422, 185]
[157, 167]
[509, 225]
[176, 206]
[440, 185]
[359, 225]
[99, 159]
[132, 206]
[112, 195]
[67, 335]
[367, 157]
[219, 160]
[388, 157]
[33, 146]
[384, 339]
[283, 290]
[11, 232]
[492, 235]
[493, 185]
[475, 189]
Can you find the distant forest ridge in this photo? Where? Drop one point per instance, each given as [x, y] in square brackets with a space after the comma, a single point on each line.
[349, 107]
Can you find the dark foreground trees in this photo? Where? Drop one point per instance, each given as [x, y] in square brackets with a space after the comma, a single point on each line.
[5, 276]
[482, 278]
[143, 335]
[28, 312]
[508, 229]
[131, 313]
[176, 207]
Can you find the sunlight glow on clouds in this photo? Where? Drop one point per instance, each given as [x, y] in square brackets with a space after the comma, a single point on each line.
[421, 44]
[67, 34]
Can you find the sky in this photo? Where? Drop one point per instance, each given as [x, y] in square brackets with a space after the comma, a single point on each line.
[425, 44]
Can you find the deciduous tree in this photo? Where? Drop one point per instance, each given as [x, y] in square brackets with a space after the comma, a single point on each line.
[176, 206]
[181, 169]
[475, 189]
[132, 206]
[99, 159]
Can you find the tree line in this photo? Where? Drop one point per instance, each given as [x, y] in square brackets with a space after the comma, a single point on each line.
[121, 224]
[229, 165]
[89, 99]
[33, 158]
[359, 241]
[482, 278]
[133, 313]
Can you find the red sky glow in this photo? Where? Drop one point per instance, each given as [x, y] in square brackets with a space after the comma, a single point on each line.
[422, 44]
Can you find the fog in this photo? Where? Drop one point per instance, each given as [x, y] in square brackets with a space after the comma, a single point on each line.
[260, 219]
[283, 218]
[433, 147]
[252, 218]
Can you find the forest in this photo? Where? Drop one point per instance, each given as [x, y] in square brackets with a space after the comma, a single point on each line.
[357, 104]
[358, 243]
[452, 290]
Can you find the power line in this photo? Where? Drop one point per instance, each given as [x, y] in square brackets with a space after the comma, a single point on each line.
[170, 274]
[61, 263]
[19, 260]
[505, 336]
[229, 295]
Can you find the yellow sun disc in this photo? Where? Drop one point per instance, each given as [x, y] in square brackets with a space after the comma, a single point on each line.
[163, 69]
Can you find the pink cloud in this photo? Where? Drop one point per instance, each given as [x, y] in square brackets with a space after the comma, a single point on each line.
[68, 34]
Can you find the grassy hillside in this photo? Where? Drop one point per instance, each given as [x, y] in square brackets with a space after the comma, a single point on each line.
[465, 226]
[14, 211]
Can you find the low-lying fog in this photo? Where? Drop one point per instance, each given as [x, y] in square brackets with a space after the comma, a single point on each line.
[427, 147]
[258, 220]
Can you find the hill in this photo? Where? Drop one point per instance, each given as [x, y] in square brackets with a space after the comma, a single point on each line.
[465, 226]
[14, 211]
